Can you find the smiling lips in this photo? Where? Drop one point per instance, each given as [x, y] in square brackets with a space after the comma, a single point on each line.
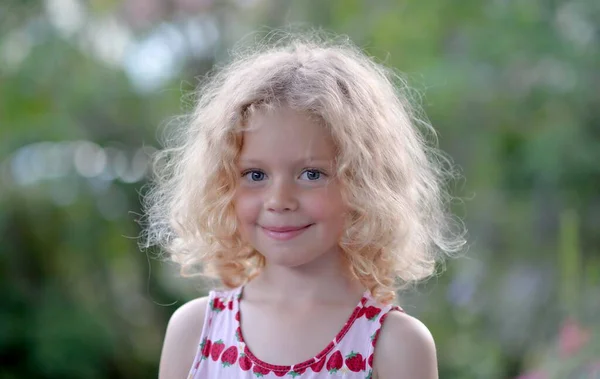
[284, 233]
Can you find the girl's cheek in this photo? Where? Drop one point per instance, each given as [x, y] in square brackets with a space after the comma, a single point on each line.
[246, 207]
[326, 202]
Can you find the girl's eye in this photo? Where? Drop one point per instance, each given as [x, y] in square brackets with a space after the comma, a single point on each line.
[254, 175]
[258, 176]
[312, 175]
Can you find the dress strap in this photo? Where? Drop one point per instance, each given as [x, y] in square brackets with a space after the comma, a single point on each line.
[219, 308]
[376, 313]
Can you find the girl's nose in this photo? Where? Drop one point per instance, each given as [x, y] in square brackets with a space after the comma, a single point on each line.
[281, 197]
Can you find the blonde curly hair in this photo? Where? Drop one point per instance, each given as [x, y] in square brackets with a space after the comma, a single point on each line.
[392, 177]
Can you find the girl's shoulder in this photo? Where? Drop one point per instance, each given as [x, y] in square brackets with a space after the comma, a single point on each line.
[405, 346]
[181, 338]
[185, 329]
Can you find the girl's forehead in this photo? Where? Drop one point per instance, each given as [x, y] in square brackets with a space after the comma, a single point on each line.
[286, 133]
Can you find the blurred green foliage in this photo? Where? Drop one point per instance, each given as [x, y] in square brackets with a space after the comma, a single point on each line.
[87, 87]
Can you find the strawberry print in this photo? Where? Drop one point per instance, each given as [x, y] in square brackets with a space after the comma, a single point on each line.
[226, 355]
[335, 362]
[229, 356]
[205, 348]
[245, 362]
[216, 349]
[297, 372]
[355, 362]
[318, 365]
[374, 337]
[372, 312]
[260, 371]
[361, 312]
[217, 305]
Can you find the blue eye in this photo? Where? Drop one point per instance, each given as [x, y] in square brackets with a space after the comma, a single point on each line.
[254, 175]
[312, 175]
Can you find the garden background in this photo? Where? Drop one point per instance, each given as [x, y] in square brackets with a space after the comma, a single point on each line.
[87, 87]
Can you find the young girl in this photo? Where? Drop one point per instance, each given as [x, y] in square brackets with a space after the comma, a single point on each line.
[301, 183]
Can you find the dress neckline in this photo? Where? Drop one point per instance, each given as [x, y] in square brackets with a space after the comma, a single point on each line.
[299, 366]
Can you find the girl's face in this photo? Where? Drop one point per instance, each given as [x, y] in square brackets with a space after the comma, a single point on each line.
[288, 203]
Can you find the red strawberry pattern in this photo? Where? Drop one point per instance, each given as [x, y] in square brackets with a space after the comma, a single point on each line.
[374, 337]
[260, 371]
[229, 356]
[216, 350]
[361, 312]
[335, 362]
[318, 365]
[349, 354]
[355, 362]
[297, 372]
[245, 362]
[205, 348]
[372, 312]
[217, 305]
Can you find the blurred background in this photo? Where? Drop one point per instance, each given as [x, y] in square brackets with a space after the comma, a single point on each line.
[87, 87]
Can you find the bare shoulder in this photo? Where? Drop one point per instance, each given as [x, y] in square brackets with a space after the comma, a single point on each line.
[405, 349]
[181, 339]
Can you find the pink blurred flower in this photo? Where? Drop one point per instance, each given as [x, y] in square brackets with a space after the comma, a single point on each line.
[533, 375]
[572, 337]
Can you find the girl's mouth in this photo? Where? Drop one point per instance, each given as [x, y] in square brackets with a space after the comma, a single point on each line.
[284, 233]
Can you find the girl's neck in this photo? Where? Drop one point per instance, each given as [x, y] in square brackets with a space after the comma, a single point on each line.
[325, 280]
